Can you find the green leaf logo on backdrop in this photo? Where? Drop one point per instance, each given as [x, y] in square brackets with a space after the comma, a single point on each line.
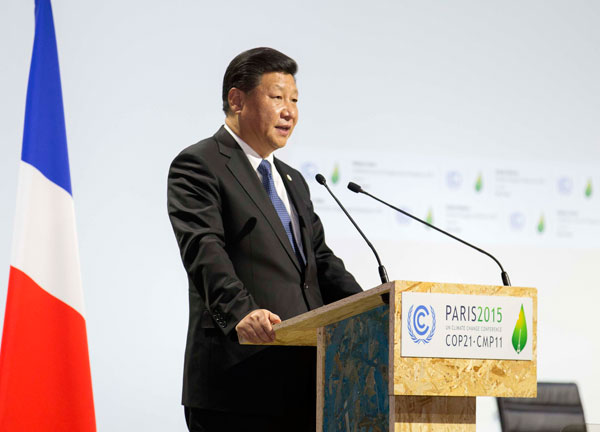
[588, 189]
[519, 338]
[479, 184]
[335, 177]
[429, 217]
[541, 225]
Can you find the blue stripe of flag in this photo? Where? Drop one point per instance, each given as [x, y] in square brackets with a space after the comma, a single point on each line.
[44, 137]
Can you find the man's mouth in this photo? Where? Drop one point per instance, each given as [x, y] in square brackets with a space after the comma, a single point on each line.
[284, 130]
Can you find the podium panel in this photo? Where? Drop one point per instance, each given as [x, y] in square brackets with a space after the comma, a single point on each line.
[355, 372]
[461, 377]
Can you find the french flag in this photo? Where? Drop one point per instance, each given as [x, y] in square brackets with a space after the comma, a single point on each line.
[45, 381]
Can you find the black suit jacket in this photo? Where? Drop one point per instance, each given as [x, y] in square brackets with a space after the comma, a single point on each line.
[238, 258]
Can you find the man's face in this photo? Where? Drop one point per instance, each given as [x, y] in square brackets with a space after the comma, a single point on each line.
[269, 113]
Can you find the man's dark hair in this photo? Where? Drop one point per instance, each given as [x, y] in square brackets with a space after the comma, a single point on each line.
[246, 70]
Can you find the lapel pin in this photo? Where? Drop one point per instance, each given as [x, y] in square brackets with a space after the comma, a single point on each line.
[289, 177]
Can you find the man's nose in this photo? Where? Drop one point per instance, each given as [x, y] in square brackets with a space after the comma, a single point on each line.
[289, 112]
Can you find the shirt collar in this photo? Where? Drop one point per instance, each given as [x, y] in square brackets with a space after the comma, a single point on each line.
[250, 153]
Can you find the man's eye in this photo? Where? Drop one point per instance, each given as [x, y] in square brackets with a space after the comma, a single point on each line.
[295, 100]
[276, 97]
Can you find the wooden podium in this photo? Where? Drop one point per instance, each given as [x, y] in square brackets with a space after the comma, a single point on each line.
[365, 384]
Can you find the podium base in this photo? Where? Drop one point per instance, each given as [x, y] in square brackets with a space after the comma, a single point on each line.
[432, 413]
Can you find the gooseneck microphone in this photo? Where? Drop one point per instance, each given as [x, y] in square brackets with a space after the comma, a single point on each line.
[382, 272]
[357, 189]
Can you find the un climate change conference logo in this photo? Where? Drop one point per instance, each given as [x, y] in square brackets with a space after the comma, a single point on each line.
[417, 324]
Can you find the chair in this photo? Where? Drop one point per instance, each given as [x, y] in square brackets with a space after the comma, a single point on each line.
[556, 408]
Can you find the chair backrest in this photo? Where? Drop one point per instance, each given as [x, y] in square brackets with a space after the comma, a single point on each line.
[556, 407]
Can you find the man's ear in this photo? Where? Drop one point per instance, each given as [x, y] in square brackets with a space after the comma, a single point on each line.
[236, 99]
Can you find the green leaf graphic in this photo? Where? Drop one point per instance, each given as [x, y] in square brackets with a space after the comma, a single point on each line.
[519, 338]
[588, 188]
[429, 217]
[479, 184]
[541, 225]
[335, 177]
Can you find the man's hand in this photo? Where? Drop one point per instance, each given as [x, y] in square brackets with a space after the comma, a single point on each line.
[257, 327]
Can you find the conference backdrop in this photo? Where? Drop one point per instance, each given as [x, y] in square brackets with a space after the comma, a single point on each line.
[480, 117]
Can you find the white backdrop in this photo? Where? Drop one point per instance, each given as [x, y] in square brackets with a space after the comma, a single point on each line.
[424, 92]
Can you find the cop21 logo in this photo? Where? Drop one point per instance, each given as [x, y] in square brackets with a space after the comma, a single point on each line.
[418, 330]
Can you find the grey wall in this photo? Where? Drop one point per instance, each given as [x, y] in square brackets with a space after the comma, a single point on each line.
[468, 81]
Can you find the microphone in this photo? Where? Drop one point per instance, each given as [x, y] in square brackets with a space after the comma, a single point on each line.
[382, 272]
[357, 189]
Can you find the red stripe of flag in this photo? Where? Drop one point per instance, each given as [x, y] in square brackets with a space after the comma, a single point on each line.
[44, 348]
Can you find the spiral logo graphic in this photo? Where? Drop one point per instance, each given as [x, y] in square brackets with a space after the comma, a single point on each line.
[417, 324]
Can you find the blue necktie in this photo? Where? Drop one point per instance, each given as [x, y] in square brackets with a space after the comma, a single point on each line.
[267, 180]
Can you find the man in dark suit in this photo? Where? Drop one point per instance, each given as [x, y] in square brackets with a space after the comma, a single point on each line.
[255, 254]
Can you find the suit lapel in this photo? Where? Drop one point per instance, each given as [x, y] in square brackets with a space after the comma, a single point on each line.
[241, 169]
[291, 187]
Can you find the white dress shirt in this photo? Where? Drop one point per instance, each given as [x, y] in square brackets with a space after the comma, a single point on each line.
[255, 160]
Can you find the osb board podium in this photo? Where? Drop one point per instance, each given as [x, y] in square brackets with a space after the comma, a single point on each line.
[364, 383]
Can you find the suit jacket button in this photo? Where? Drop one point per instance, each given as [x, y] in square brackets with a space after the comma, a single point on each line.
[305, 286]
